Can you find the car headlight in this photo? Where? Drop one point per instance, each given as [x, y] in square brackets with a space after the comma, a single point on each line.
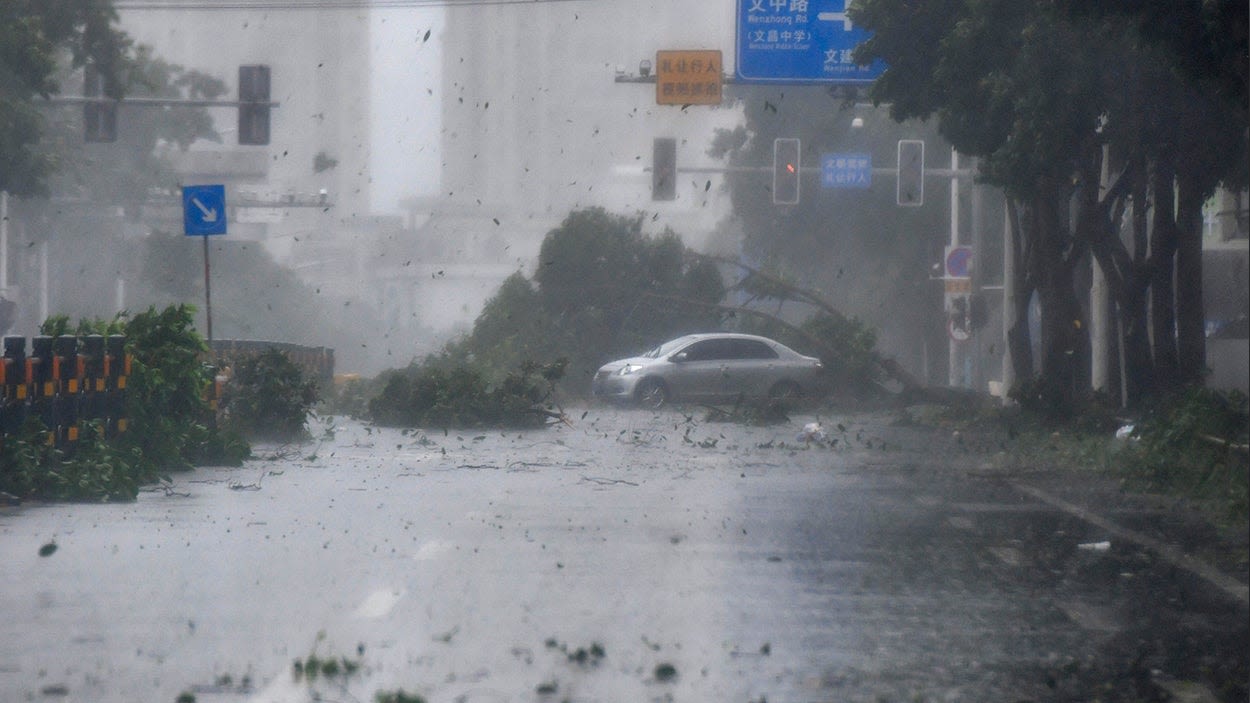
[627, 369]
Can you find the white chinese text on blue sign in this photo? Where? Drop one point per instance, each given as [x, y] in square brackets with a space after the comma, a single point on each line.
[799, 41]
[846, 170]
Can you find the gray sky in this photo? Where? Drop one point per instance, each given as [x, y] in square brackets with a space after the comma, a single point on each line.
[406, 104]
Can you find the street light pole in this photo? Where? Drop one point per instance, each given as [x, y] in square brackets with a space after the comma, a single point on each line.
[4, 242]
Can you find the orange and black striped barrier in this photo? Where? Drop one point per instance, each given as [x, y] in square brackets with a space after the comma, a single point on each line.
[64, 382]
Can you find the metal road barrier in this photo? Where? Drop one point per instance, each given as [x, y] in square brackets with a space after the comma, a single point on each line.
[64, 382]
[317, 363]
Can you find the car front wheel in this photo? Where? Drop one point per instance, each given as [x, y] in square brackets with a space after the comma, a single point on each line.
[652, 393]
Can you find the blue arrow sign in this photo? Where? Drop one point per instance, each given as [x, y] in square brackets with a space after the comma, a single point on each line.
[799, 41]
[846, 170]
[204, 210]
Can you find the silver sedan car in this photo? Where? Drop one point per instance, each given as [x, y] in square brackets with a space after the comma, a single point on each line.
[707, 367]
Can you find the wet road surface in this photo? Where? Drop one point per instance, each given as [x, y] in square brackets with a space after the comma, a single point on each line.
[630, 556]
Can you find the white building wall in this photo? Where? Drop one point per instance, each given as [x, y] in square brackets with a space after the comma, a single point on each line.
[319, 73]
[534, 123]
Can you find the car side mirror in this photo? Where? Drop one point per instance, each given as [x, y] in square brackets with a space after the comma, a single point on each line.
[679, 357]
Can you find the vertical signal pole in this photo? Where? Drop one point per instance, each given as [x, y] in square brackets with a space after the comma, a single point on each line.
[204, 213]
[955, 377]
[208, 295]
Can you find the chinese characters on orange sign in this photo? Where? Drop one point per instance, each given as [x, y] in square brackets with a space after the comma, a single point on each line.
[688, 77]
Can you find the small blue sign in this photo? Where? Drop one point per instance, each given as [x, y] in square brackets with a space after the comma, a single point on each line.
[204, 210]
[799, 41]
[846, 170]
[959, 262]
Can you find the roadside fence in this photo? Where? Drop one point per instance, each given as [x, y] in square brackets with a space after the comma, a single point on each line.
[68, 381]
[317, 363]
[64, 382]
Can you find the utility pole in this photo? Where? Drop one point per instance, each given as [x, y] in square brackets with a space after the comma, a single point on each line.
[955, 374]
[4, 243]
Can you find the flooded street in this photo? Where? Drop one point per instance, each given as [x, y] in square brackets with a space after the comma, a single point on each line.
[629, 556]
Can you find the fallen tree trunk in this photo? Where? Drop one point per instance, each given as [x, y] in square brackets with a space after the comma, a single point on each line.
[912, 388]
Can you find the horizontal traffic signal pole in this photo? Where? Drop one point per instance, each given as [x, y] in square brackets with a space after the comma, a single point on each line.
[155, 102]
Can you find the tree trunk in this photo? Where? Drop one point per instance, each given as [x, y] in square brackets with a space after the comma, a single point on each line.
[1064, 343]
[1139, 371]
[1191, 342]
[1099, 224]
[1162, 268]
[1019, 338]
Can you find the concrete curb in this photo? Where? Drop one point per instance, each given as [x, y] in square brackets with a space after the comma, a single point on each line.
[1230, 586]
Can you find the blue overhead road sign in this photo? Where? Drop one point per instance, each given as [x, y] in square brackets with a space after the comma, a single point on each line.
[204, 210]
[799, 41]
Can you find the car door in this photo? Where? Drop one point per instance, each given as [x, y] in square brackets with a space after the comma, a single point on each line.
[698, 369]
[751, 369]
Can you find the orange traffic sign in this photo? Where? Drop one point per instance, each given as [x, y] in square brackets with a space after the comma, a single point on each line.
[958, 286]
[688, 77]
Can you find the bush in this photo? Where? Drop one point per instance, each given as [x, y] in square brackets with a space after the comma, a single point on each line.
[437, 394]
[268, 397]
[171, 424]
[603, 289]
[846, 348]
[170, 418]
[1187, 444]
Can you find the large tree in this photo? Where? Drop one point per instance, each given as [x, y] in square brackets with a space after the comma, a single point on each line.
[1052, 96]
[35, 35]
[843, 242]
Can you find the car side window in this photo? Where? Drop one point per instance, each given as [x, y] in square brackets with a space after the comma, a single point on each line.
[708, 350]
[752, 349]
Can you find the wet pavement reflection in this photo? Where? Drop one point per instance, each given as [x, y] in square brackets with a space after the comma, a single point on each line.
[628, 556]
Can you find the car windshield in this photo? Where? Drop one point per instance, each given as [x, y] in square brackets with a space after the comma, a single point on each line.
[323, 328]
[667, 348]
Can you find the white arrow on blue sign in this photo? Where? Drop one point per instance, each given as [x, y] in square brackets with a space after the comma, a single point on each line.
[799, 41]
[204, 210]
[846, 170]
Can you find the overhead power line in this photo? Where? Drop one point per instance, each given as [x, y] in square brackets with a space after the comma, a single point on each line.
[201, 5]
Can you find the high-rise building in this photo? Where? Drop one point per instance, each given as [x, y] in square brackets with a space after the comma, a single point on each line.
[320, 133]
[533, 122]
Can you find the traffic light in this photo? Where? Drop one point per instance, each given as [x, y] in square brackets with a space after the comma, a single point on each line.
[957, 312]
[99, 117]
[978, 311]
[786, 171]
[664, 168]
[910, 173]
[254, 105]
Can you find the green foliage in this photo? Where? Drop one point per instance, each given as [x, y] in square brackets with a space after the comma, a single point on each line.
[441, 393]
[848, 351]
[397, 696]
[94, 470]
[170, 423]
[169, 414]
[34, 37]
[269, 397]
[55, 326]
[842, 242]
[315, 666]
[846, 346]
[1186, 444]
[603, 289]
[512, 328]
